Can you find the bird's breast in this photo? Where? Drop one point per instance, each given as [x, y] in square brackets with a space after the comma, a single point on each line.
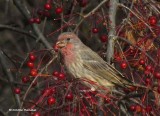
[68, 55]
[73, 63]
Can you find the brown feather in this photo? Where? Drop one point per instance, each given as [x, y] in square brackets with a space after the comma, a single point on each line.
[82, 62]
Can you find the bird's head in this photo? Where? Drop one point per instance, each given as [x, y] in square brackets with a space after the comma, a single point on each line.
[67, 40]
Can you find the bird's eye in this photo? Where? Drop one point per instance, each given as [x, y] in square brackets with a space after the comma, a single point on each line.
[68, 39]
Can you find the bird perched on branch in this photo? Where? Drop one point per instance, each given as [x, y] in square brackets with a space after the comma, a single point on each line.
[84, 63]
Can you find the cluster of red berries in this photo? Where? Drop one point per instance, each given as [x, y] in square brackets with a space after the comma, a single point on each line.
[59, 75]
[49, 91]
[35, 20]
[148, 69]
[138, 108]
[31, 65]
[51, 100]
[103, 37]
[33, 72]
[45, 12]
[122, 63]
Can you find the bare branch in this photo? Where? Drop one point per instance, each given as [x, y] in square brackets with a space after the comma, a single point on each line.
[25, 12]
[90, 13]
[112, 32]
[17, 30]
[5, 67]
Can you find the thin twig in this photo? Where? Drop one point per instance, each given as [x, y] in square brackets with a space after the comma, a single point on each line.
[17, 30]
[137, 16]
[143, 51]
[112, 32]
[25, 12]
[90, 13]
[9, 75]
[28, 89]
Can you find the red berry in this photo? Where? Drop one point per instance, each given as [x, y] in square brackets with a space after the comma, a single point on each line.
[95, 30]
[148, 68]
[148, 81]
[51, 101]
[157, 75]
[31, 20]
[123, 65]
[61, 76]
[132, 108]
[138, 108]
[152, 20]
[56, 73]
[69, 96]
[103, 38]
[37, 20]
[58, 10]
[36, 114]
[141, 62]
[46, 91]
[25, 79]
[49, 91]
[47, 6]
[32, 57]
[33, 72]
[17, 90]
[30, 64]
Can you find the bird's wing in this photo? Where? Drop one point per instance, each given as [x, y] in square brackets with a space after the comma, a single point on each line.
[94, 63]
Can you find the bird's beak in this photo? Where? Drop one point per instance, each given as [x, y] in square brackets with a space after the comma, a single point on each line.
[60, 44]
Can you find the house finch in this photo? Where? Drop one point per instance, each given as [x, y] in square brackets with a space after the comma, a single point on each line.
[83, 63]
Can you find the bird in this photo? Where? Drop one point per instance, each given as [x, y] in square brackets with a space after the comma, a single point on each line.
[84, 63]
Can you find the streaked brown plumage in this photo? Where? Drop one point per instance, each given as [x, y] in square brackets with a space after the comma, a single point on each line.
[82, 62]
